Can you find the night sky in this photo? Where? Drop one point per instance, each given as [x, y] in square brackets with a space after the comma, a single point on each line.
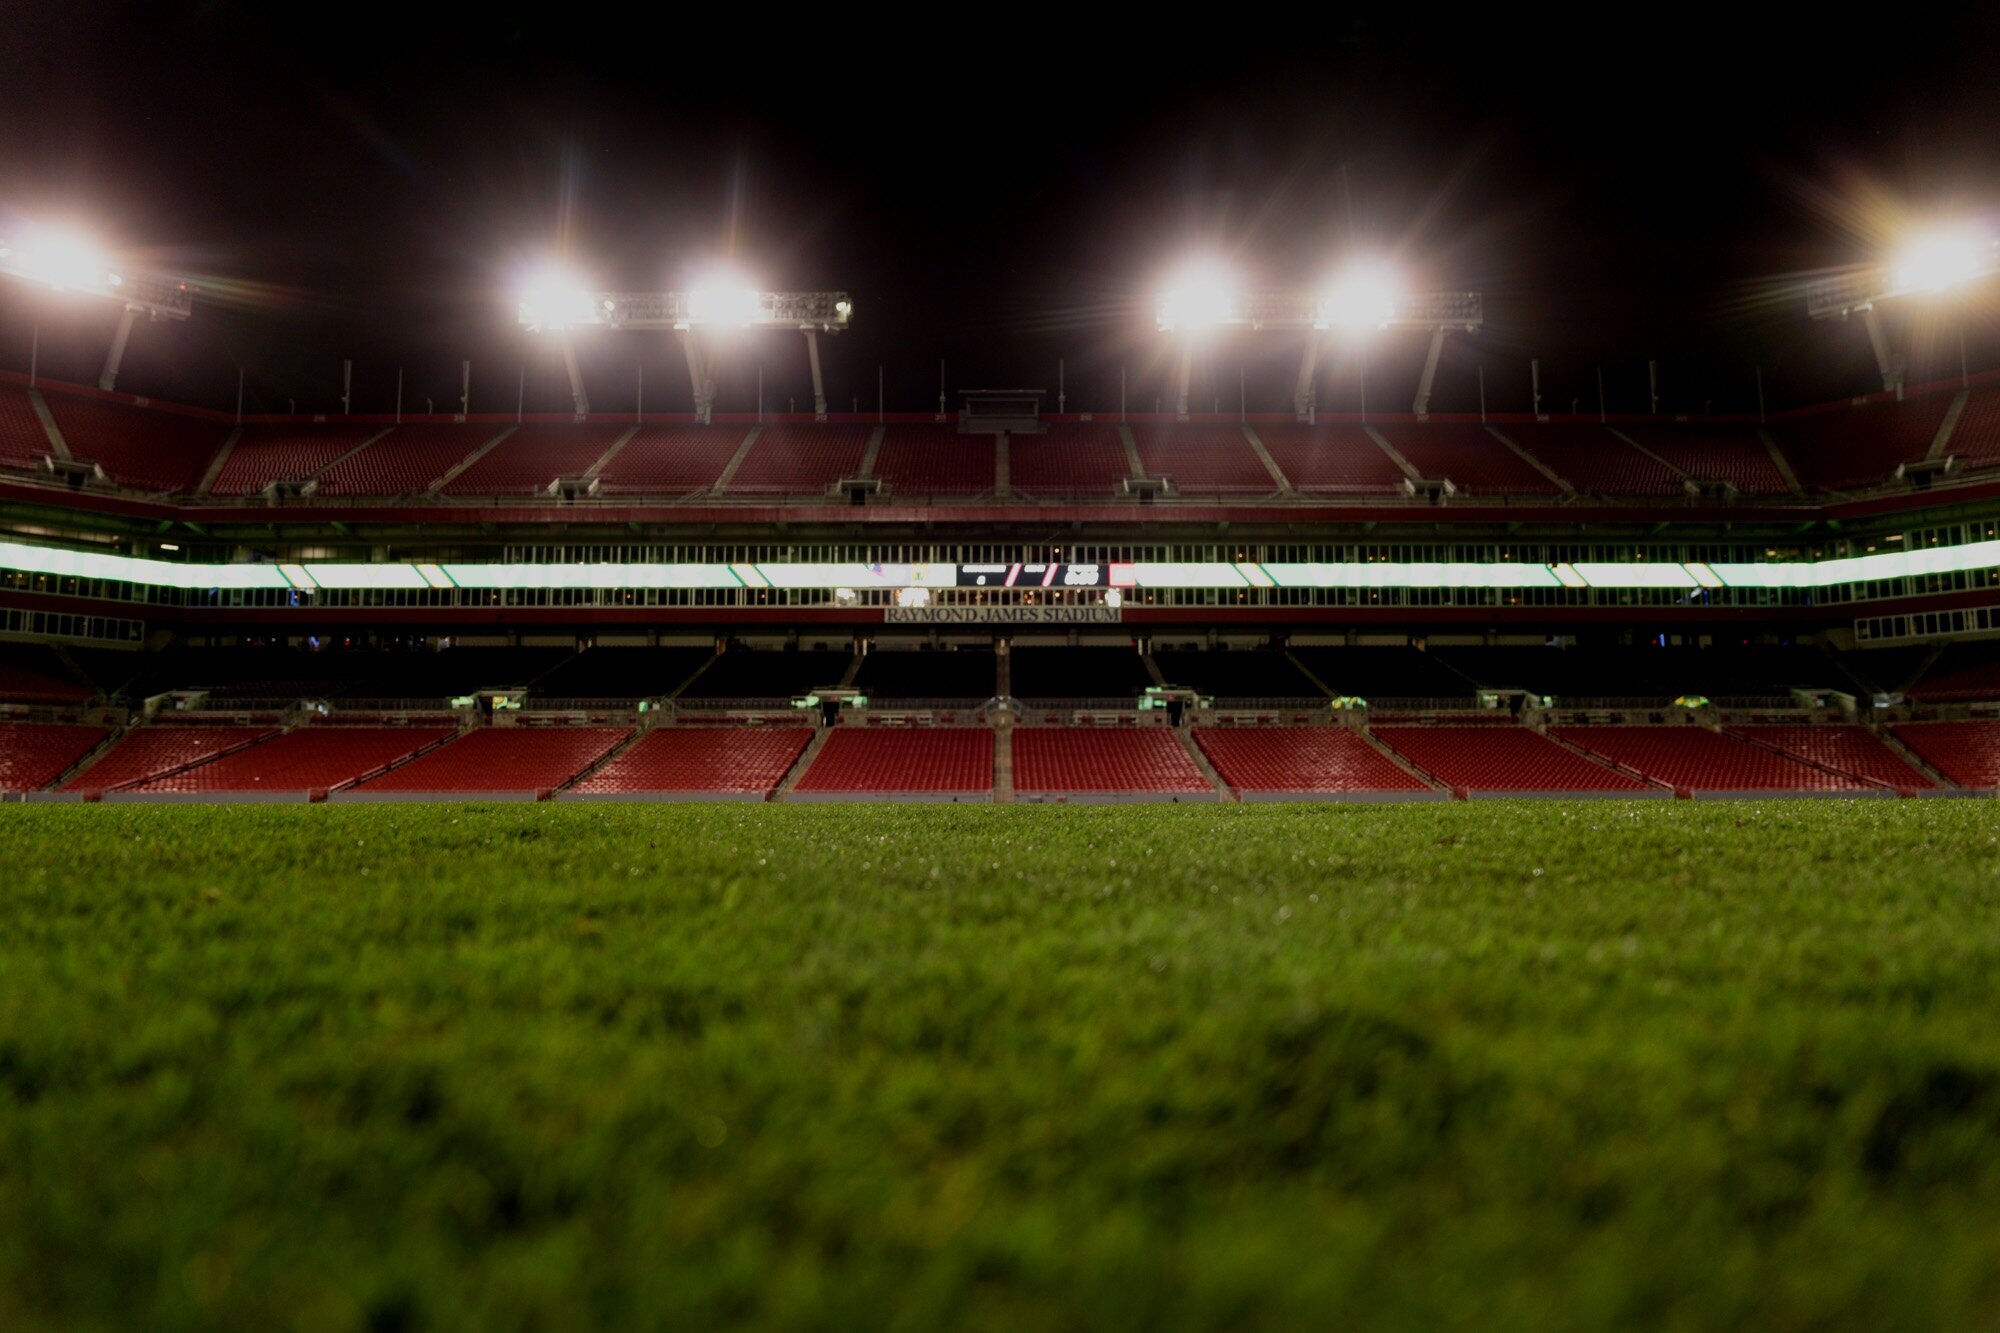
[351, 184]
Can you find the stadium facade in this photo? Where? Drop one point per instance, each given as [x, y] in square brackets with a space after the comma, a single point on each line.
[1018, 607]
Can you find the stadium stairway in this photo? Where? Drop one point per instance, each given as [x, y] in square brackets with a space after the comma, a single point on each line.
[1194, 752]
[803, 764]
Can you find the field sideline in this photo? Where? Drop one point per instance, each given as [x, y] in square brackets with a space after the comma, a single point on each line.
[1508, 1065]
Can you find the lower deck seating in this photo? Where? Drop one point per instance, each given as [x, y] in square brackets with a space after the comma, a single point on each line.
[1501, 759]
[702, 759]
[1696, 759]
[149, 751]
[1854, 750]
[1087, 759]
[1967, 753]
[34, 754]
[942, 760]
[1300, 759]
[503, 759]
[309, 759]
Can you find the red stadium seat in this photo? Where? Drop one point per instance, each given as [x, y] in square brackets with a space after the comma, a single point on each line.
[1844, 447]
[1697, 759]
[702, 759]
[406, 461]
[32, 754]
[149, 751]
[1201, 459]
[264, 454]
[21, 433]
[672, 460]
[309, 759]
[927, 760]
[533, 456]
[1068, 459]
[1501, 758]
[934, 460]
[502, 759]
[1330, 459]
[1468, 456]
[1087, 759]
[1300, 759]
[1735, 454]
[150, 448]
[801, 460]
[1967, 753]
[1594, 461]
[1853, 750]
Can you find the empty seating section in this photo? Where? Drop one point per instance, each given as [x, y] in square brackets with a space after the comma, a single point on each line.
[1200, 459]
[934, 460]
[1593, 460]
[691, 759]
[1078, 673]
[1976, 437]
[146, 447]
[801, 460]
[33, 754]
[1068, 459]
[406, 461]
[1501, 759]
[21, 433]
[309, 759]
[1330, 459]
[533, 456]
[289, 673]
[1967, 753]
[1964, 671]
[1385, 673]
[945, 759]
[1300, 759]
[622, 673]
[672, 460]
[745, 674]
[1718, 671]
[1469, 456]
[1846, 447]
[1259, 673]
[150, 751]
[1696, 759]
[502, 759]
[264, 454]
[1735, 454]
[1853, 750]
[1083, 759]
[33, 674]
[954, 674]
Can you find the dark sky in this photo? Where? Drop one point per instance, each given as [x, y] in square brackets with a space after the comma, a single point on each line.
[1000, 190]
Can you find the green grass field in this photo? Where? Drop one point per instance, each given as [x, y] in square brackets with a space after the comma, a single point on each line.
[1541, 1066]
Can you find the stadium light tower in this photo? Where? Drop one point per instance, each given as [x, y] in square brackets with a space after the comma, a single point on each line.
[713, 308]
[1932, 265]
[63, 261]
[1359, 298]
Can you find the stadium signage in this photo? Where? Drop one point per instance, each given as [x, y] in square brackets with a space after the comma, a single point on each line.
[1002, 615]
[1122, 575]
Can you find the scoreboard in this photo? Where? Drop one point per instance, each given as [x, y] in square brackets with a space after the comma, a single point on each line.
[1040, 576]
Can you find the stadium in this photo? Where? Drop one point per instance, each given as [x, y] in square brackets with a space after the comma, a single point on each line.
[1305, 814]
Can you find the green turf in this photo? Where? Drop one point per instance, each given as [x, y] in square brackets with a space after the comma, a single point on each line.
[1537, 1066]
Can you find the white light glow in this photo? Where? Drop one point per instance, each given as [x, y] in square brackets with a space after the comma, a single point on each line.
[65, 260]
[553, 297]
[1365, 296]
[1201, 296]
[1944, 259]
[913, 597]
[724, 300]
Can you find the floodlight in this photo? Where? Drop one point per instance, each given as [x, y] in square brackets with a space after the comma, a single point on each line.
[1201, 296]
[64, 260]
[555, 298]
[725, 300]
[1364, 296]
[1944, 259]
